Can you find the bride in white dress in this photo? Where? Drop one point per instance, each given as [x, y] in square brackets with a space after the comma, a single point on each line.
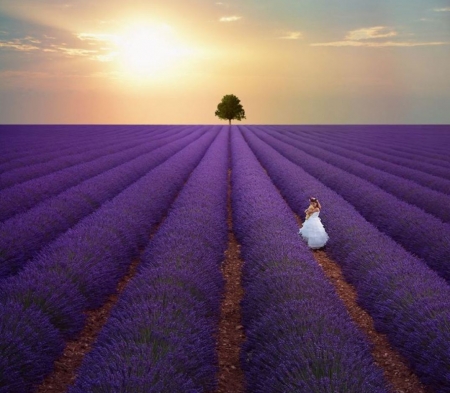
[312, 230]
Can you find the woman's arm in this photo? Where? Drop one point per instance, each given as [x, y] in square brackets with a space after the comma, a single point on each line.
[310, 210]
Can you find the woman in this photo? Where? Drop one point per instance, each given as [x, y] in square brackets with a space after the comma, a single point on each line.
[312, 230]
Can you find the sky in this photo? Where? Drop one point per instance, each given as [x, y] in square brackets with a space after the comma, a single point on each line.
[172, 61]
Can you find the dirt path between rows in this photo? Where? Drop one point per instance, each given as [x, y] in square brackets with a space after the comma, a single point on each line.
[66, 367]
[231, 333]
[394, 366]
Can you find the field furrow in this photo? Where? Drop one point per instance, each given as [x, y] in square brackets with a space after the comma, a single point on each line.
[410, 145]
[417, 154]
[81, 269]
[408, 302]
[339, 147]
[299, 335]
[29, 153]
[167, 258]
[20, 198]
[160, 336]
[408, 225]
[67, 160]
[23, 235]
[432, 202]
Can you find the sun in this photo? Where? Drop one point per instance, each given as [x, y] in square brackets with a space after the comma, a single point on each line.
[146, 51]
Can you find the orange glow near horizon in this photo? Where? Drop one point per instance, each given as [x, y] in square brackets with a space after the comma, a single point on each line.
[147, 52]
[140, 52]
[111, 61]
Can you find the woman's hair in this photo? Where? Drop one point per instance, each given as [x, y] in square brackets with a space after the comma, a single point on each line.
[316, 201]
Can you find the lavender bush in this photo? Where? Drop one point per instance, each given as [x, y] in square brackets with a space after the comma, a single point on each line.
[418, 232]
[34, 144]
[23, 235]
[408, 301]
[380, 142]
[340, 146]
[414, 142]
[29, 344]
[94, 255]
[299, 335]
[19, 198]
[160, 336]
[432, 202]
[66, 159]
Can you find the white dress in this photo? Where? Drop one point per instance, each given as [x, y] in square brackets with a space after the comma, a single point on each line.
[313, 232]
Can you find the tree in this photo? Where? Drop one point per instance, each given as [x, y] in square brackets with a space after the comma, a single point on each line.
[230, 108]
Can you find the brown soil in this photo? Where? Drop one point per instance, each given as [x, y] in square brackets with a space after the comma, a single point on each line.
[231, 333]
[394, 366]
[66, 367]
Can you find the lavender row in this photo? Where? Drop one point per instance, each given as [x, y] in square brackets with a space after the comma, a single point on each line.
[79, 155]
[20, 198]
[340, 147]
[409, 302]
[59, 157]
[160, 336]
[50, 143]
[363, 141]
[431, 201]
[26, 137]
[23, 141]
[418, 153]
[403, 141]
[428, 140]
[379, 138]
[418, 232]
[81, 268]
[23, 235]
[299, 334]
[420, 140]
[416, 163]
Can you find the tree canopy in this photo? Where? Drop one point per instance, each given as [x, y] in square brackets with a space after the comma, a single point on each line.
[230, 108]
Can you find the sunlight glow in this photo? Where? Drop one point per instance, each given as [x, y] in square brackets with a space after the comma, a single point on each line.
[146, 51]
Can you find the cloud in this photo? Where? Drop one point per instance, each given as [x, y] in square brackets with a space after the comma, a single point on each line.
[97, 37]
[17, 45]
[369, 37]
[370, 33]
[292, 35]
[32, 40]
[96, 50]
[380, 44]
[75, 51]
[21, 44]
[445, 9]
[233, 18]
[29, 78]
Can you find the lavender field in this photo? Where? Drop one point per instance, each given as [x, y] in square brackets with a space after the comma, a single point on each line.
[84, 207]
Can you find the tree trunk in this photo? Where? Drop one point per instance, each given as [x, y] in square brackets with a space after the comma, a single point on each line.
[229, 122]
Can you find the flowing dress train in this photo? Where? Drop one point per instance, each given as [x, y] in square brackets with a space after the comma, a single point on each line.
[313, 232]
